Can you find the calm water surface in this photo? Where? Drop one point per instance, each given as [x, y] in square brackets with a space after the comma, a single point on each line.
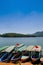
[26, 41]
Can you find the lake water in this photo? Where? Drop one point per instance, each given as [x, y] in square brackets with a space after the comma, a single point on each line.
[24, 40]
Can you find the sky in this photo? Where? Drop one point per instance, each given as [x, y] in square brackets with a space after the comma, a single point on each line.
[21, 16]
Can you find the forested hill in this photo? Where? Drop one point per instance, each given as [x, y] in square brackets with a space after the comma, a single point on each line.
[15, 35]
[37, 34]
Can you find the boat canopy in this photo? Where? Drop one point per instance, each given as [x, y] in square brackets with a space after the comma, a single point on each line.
[22, 48]
[9, 49]
[2, 48]
[29, 48]
[36, 48]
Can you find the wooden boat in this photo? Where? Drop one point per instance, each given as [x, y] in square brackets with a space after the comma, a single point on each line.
[26, 54]
[29, 48]
[1, 51]
[16, 57]
[36, 54]
[6, 53]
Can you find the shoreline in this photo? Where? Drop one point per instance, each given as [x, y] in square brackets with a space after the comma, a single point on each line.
[26, 63]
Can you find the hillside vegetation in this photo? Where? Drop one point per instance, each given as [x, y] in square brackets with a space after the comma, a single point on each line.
[37, 34]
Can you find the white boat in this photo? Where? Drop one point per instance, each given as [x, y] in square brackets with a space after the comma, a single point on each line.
[36, 54]
[29, 49]
[26, 53]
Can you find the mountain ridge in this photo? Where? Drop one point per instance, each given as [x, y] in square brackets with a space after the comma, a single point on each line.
[36, 34]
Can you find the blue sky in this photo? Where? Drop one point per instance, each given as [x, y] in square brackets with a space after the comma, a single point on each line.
[21, 16]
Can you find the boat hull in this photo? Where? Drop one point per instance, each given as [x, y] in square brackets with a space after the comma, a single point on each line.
[15, 60]
[24, 60]
[41, 60]
[35, 60]
[16, 57]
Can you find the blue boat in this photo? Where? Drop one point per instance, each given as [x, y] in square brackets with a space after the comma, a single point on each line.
[3, 56]
[6, 54]
[7, 59]
[16, 57]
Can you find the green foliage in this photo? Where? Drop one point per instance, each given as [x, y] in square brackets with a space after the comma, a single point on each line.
[37, 34]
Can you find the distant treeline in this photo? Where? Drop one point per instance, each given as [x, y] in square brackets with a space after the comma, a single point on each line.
[16, 35]
[37, 34]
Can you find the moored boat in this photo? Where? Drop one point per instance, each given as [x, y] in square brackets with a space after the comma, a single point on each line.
[6, 52]
[1, 51]
[29, 48]
[26, 54]
[16, 57]
[36, 54]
